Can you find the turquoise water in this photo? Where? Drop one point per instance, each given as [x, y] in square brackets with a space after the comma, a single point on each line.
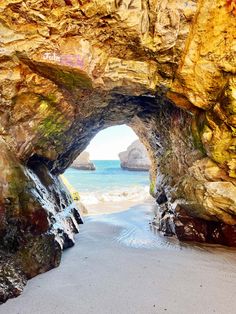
[108, 182]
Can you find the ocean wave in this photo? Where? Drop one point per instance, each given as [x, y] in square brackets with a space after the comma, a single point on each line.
[134, 193]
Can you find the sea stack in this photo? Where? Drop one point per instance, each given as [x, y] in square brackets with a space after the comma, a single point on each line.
[82, 162]
[135, 157]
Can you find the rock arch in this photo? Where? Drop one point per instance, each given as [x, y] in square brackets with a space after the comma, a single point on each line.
[69, 71]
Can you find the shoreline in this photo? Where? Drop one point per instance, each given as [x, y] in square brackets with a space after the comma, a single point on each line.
[100, 208]
[114, 207]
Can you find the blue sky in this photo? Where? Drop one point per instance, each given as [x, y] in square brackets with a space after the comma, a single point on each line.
[107, 144]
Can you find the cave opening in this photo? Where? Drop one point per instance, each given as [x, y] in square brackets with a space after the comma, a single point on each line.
[173, 139]
[164, 129]
[114, 168]
[41, 214]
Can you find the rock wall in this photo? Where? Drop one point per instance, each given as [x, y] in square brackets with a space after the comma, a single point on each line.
[135, 157]
[82, 162]
[69, 69]
[38, 220]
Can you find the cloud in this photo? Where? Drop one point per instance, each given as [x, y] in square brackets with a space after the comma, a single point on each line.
[107, 144]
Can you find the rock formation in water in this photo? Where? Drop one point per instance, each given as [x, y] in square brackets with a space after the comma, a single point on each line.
[82, 162]
[69, 69]
[135, 157]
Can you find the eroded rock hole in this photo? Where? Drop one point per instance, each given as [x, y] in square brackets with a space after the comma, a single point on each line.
[46, 215]
[113, 169]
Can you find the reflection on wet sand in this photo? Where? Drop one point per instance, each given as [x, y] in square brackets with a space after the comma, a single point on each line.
[137, 230]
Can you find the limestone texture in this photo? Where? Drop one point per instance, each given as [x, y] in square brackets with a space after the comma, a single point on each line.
[135, 158]
[82, 162]
[69, 69]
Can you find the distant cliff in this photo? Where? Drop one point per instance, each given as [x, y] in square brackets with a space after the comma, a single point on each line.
[135, 157]
[82, 162]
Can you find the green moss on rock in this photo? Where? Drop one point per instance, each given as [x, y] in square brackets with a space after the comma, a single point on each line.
[197, 142]
[53, 122]
[73, 79]
[152, 188]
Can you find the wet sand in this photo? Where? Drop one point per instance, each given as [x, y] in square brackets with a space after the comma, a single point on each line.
[119, 266]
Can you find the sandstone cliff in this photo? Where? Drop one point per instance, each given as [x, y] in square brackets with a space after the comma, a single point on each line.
[135, 157]
[82, 162]
[69, 69]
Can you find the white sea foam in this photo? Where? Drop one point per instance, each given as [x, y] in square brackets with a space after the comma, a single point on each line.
[134, 193]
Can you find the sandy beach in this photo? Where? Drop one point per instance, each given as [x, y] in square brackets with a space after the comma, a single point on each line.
[120, 266]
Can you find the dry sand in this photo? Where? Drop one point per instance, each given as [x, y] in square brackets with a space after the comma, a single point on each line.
[119, 266]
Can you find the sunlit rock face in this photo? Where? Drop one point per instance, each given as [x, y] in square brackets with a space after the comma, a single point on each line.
[135, 157]
[69, 69]
[82, 162]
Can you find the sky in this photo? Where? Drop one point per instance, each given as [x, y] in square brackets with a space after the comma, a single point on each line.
[107, 144]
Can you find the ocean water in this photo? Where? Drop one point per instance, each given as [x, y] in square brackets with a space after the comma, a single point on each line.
[109, 183]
